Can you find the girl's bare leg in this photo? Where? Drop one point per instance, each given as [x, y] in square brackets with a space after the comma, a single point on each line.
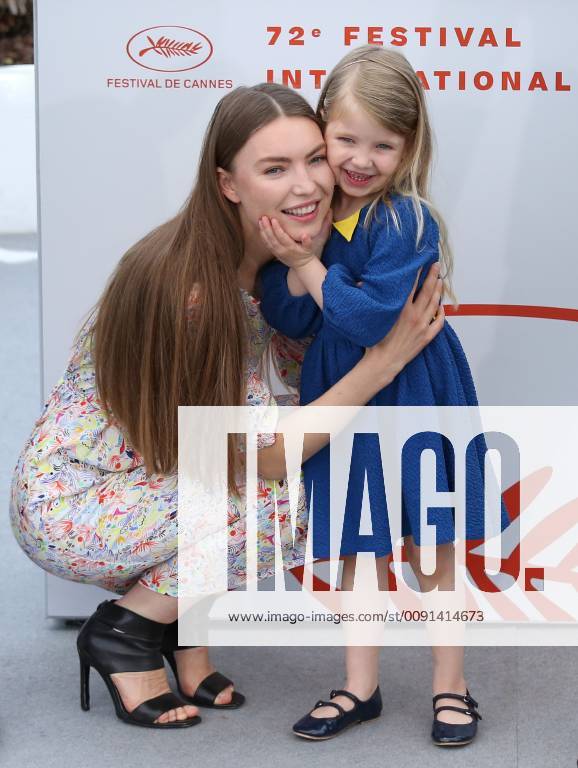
[448, 661]
[361, 661]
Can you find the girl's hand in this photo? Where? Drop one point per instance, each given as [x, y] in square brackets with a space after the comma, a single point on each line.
[288, 251]
[420, 321]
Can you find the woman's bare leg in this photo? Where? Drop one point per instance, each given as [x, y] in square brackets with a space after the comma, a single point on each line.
[152, 605]
[136, 687]
[193, 664]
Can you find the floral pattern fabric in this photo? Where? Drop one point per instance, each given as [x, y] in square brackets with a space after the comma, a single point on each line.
[84, 508]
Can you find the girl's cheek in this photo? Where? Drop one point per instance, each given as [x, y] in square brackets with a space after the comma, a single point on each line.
[332, 153]
[332, 158]
[335, 170]
[336, 159]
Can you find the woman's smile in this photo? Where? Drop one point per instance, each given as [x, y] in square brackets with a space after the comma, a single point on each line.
[304, 212]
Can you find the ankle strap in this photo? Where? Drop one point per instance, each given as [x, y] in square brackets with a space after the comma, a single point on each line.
[171, 638]
[348, 694]
[472, 712]
[337, 706]
[466, 698]
[127, 622]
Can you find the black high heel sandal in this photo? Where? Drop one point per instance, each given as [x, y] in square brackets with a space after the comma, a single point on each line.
[322, 728]
[209, 688]
[115, 639]
[455, 734]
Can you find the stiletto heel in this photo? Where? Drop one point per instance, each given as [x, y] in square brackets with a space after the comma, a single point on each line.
[115, 640]
[209, 688]
[84, 684]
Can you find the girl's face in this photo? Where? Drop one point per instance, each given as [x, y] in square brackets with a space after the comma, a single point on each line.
[281, 172]
[362, 154]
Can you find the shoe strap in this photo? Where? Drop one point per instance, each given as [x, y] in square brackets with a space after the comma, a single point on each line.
[337, 706]
[171, 638]
[466, 698]
[473, 712]
[150, 710]
[348, 694]
[127, 622]
[210, 688]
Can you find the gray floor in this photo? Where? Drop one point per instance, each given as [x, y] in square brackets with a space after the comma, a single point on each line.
[527, 696]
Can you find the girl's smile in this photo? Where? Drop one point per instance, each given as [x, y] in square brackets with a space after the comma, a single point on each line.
[357, 179]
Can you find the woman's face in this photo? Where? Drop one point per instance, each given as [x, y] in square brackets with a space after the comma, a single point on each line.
[282, 172]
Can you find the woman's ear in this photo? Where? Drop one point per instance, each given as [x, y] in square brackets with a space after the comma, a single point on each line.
[226, 185]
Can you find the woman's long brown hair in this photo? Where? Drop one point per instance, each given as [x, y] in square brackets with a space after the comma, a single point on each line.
[152, 350]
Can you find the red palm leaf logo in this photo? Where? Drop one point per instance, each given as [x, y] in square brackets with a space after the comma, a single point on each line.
[169, 48]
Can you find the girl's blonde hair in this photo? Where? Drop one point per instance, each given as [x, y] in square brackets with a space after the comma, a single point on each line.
[384, 84]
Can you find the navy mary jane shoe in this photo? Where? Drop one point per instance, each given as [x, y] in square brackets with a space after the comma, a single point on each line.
[320, 728]
[455, 734]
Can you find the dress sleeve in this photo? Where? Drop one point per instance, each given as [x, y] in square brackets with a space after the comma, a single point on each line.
[294, 316]
[365, 314]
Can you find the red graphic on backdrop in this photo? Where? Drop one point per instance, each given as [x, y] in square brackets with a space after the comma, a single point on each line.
[513, 310]
[168, 48]
[555, 526]
[163, 49]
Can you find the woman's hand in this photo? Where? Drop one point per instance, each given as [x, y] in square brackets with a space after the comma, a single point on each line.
[288, 251]
[420, 321]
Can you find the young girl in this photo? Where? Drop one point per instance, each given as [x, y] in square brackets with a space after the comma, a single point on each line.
[385, 229]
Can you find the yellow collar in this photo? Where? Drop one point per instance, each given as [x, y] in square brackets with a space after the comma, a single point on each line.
[346, 227]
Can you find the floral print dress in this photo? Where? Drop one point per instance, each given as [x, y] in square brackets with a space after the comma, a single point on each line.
[84, 508]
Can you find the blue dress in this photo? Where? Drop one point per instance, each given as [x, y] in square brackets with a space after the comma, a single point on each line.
[384, 257]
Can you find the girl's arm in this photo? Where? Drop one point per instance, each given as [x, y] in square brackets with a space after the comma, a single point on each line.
[363, 313]
[412, 331]
[294, 316]
[364, 307]
[307, 272]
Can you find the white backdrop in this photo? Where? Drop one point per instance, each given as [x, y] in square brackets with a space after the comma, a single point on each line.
[118, 143]
[17, 159]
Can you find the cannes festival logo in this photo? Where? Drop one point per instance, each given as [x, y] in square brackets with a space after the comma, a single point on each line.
[169, 49]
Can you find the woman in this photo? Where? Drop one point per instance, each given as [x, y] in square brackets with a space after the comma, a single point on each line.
[94, 494]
